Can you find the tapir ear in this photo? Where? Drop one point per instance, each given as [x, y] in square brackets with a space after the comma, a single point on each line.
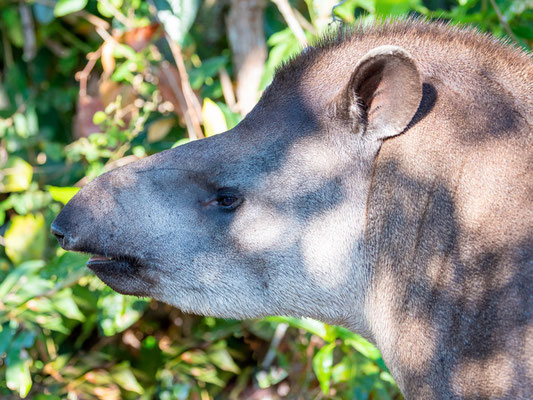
[384, 92]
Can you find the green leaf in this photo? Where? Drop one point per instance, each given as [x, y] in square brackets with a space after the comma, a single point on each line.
[181, 142]
[12, 278]
[64, 7]
[62, 194]
[364, 347]
[11, 20]
[25, 238]
[107, 11]
[396, 7]
[23, 340]
[322, 364]
[344, 371]
[52, 322]
[64, 303]
[310, 325]
[99, 117]
[116, 312]
[18, 376]
[123, 376]
[223, 360]
[177, 16]
[6, 334]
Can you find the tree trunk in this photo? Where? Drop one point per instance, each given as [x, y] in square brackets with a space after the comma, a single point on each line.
[247, 39]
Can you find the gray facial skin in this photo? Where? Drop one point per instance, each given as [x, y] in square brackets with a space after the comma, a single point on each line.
[384, 182]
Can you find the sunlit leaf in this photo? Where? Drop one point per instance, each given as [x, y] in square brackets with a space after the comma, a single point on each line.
[322, 364]
[177, 16]
[52, 321]
[395, 7]
[62, 194]
[123, 376]
[64, 303]
[316, 327]
[107, 11]
[99, 117]
[25, 238]
[214, 120]
[13, 277]
[16, 175]
[118, 312]
[207, 374]
[181, 142]
[343, 371]
[18, 376]
[223, 360]
[273, 376]
[64, 7]
[364, 347]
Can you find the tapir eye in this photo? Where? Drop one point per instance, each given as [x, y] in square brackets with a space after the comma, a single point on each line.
[227, 200]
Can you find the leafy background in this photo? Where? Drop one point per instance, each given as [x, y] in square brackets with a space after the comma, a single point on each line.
[86, 86]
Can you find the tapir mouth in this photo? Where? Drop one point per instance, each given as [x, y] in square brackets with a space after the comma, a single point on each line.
[124, 274]
[104, 264]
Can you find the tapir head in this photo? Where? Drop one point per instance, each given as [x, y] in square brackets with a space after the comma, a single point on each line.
[267, 218]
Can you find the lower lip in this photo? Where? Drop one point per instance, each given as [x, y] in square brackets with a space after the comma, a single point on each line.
[109, 264]
[98, 262]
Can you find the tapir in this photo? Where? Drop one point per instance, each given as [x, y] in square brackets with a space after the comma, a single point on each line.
[383, 182]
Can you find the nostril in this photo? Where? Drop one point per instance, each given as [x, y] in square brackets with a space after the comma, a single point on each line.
[58, 233]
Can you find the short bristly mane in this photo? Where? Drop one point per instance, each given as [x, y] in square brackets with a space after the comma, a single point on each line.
[421, 31]
[441, 50]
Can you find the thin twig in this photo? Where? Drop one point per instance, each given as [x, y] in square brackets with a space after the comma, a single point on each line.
[93, 19]
[57, 48]
[8, 51]
[190, 98]
[186, 94]
[276, 340]
[304, 22]
[182, 102]
[288, 14]
[105, 35]
[503, 21]
[28, 29]
[83, 75]
[227, 89]
[333, 16]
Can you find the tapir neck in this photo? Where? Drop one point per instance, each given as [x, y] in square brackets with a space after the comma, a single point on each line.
[445, 312]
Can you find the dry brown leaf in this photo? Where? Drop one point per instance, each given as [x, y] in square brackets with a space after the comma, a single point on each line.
[139, 38]
[83, 124]
[159, 129]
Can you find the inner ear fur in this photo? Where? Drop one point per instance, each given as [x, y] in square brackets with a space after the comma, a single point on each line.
[383, 93]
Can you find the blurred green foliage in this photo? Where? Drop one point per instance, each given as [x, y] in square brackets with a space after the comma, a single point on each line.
[63, 334]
